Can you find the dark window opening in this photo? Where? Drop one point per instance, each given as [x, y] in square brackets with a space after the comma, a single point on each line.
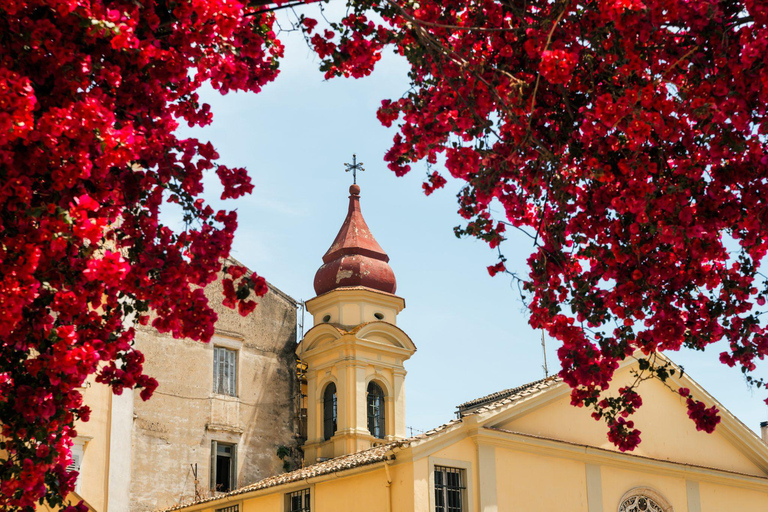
[449, 489]
[330, 412]
[223, 466]
[233, 508]
[375, 410]
[298, 501]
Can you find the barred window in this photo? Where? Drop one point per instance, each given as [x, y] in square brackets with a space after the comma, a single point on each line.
[375, 410]
[224, 371]
[450, 489]
[330, 413]
[232, 508]
[298, 501]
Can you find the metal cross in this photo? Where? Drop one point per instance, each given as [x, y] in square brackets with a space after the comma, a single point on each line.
[354, 168]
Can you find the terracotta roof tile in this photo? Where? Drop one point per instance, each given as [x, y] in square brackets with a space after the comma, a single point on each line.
[386, 451]
[506, 396]
[342, 463]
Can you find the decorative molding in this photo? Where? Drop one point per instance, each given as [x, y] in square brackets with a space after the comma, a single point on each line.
[594, 487]
[644, 492]
[591, 454]
[693, 496]
[229, 334]
[486, 467]
[215, 427]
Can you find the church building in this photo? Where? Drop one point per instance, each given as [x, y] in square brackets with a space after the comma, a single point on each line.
[523, 449]
[259, 421]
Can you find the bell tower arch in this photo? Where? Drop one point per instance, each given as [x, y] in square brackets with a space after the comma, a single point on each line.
[354, 348]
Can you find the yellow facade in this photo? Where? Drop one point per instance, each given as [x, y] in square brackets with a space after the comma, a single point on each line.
[354, 341]
[535, 452]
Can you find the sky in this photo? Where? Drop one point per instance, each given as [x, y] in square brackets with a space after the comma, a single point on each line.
[470, 330]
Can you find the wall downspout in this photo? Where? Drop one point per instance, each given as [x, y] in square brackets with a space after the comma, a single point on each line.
[389, 486]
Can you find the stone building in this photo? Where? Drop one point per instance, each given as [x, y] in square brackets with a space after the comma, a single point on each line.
[220, 414]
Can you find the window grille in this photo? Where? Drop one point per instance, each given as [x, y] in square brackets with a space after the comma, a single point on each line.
[450, 489]
[639, 503]
[233, 508]
[375, 410]
[224, 371]
[330, 412]
[298, 501]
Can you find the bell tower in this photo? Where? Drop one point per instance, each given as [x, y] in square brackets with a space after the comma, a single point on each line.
[354, 352]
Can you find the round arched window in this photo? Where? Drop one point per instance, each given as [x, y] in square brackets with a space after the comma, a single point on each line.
[330, 413]
[643, 500]
[375, 410]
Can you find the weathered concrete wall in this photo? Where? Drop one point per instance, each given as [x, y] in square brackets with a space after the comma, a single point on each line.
[172, 432]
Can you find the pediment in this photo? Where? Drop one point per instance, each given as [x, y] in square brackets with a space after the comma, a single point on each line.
[318, 337]
[382, 334]
[386, 334]
[666, 431]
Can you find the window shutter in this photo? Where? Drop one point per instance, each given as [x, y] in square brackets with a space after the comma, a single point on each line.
[216, 352]
[233, 481]
[75, 464]
[213, 465]
[233, 373]
[227, 372]
[222, 369]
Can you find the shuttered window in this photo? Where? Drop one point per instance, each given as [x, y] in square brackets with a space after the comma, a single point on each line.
[224, 371]
[77, 463]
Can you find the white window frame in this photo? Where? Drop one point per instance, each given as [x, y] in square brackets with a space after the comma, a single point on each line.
[469, 479]
[226, 385]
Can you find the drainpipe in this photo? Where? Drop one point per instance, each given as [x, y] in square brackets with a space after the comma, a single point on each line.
[389, 486]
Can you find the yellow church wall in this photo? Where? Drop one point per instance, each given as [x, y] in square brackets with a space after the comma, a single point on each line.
[95, 465]
[528, 481]
[465, 449]
[421, 489]
[403, 489]
[666, 431]
[616, 482]
[365, 491]
[719, 498]
[267, 503]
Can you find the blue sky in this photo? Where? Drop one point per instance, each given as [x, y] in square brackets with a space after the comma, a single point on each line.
[470, 329]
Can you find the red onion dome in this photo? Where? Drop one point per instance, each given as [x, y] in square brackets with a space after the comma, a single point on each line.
[355, 258]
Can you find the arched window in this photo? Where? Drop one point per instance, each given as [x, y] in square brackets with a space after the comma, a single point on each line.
[375, 410]
[643, 500]
[330, 413]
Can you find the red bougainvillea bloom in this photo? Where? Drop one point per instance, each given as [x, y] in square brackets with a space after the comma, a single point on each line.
[90, 95]
[627, 138]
